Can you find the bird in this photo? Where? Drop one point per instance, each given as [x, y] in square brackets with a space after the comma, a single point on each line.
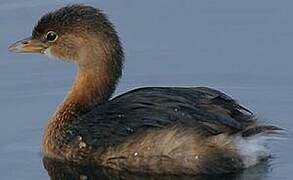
[165, 130]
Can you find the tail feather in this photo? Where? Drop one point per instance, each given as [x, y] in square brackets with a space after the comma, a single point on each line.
[251, 144]
[263, 129]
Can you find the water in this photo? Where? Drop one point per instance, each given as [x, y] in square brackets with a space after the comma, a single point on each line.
[241, 47]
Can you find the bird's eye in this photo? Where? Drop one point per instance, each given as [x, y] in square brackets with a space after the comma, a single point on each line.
[51, 36]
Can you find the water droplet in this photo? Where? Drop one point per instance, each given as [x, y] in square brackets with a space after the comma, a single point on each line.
[83, 177]
[129, 129]
[82, 145]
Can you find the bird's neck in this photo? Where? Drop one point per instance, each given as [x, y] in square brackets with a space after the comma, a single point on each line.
[91, 88]
[99, 69]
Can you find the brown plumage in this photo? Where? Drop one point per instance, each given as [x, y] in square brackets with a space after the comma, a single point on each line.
[194, 130]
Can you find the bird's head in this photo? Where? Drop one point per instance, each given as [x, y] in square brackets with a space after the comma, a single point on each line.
[69, 33]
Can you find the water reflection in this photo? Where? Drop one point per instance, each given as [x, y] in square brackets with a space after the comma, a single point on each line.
[58, 170]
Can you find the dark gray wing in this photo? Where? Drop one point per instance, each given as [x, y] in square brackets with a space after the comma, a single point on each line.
[204, 109]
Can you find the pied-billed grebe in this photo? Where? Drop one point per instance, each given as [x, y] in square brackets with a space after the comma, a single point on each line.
[154, 129]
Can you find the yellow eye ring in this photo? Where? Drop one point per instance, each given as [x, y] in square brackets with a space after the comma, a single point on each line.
[51, 36]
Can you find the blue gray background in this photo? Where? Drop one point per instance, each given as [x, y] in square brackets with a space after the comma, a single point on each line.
[244, 48]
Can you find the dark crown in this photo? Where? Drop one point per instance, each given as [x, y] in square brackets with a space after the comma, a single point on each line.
[73, 17]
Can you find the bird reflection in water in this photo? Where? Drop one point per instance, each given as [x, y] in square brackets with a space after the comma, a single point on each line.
[61, 170]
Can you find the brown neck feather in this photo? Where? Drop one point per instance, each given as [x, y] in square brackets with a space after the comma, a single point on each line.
[99, 56]
[99, 69]
[98, 73]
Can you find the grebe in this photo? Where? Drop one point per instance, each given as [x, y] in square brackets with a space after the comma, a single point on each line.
[175, 130]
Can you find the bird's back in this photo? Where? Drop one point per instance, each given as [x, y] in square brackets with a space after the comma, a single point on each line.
[203, 109]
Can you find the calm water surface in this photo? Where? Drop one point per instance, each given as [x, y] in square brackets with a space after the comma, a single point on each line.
[244, 48]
